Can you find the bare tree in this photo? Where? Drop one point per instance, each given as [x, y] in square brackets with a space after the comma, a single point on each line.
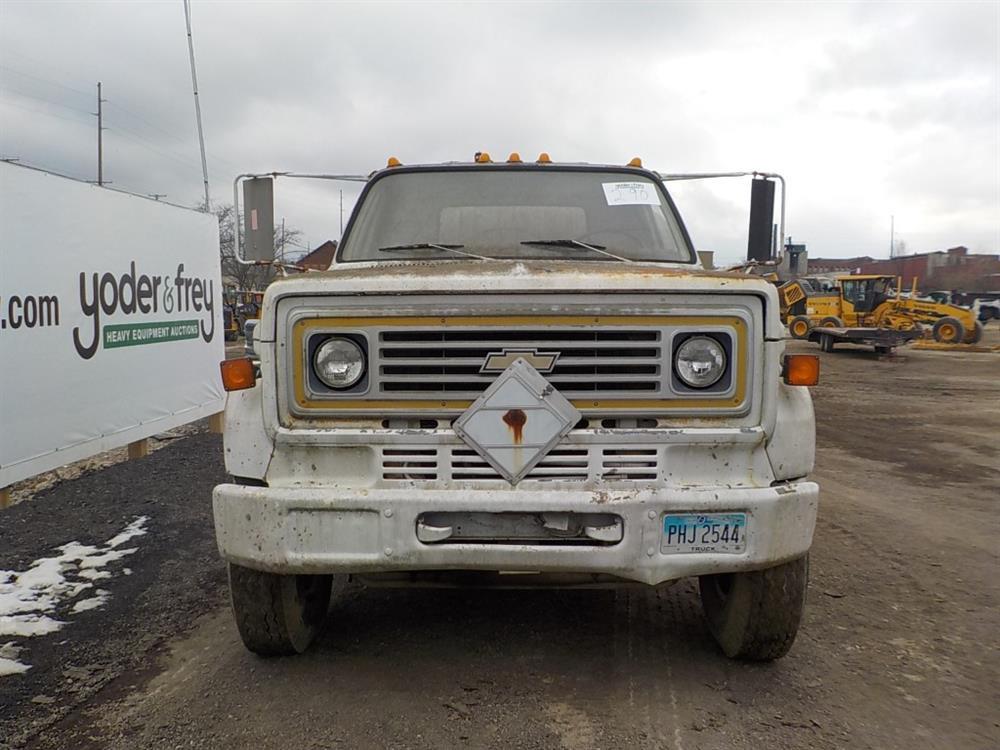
[288, 249]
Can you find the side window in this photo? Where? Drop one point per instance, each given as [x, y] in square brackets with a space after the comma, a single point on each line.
[851, 291]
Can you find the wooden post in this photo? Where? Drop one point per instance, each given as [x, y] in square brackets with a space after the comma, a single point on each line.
[5, 498]
[216, 423]
[138, 449]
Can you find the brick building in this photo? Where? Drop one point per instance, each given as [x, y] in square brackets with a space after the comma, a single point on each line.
[836, 266]
[952, 269]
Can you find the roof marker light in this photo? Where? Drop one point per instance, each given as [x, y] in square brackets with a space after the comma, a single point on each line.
[636, 162]
[393, 162]
[544, 158]
[514, 158]
[483, 158]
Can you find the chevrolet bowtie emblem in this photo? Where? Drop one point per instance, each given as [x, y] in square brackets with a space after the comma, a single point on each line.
[500, 361]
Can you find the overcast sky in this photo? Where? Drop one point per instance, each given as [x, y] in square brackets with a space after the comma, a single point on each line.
[869, 110]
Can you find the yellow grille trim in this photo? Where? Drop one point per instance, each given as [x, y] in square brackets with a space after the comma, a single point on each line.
[302, 327]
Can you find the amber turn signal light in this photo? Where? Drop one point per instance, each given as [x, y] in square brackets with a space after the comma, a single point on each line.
[238, 374]
[800, 369]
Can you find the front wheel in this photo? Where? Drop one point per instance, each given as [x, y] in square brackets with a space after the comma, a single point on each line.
[949, 331]
[831, 321]
[977, 334]
[278, 615]
[755, 615]
[799, 326]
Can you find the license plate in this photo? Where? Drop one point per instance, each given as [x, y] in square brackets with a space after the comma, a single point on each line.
[711, 532]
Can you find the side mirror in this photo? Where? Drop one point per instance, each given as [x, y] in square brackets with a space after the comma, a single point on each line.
[761, 220]
[249, 329]
[258, 218]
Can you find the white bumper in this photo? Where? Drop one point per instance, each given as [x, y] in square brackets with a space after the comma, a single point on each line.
[338, 530]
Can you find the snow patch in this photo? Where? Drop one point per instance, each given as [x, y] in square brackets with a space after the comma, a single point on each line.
[26, 626]
[8, 660]
[29, 598]
[98, 600]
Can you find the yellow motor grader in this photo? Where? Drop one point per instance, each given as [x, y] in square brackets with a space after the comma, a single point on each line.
[870, 301]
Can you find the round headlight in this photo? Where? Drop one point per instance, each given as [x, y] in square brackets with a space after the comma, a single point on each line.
[700, 361]
[339, 363]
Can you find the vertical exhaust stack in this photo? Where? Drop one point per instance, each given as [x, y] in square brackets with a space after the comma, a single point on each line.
[759, 236]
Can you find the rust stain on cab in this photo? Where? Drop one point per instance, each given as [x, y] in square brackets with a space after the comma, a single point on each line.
[515, 419]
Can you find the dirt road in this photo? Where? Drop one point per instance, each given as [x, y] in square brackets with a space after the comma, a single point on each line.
[898, 649]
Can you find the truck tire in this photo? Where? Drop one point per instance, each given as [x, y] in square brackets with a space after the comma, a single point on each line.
[831, 321]
[826, 342]
[755, 616]
[799, 327]
[949, 331]
[278, 615]
[977, 334]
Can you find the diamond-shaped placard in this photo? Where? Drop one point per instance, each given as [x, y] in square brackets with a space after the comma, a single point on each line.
[516, 421]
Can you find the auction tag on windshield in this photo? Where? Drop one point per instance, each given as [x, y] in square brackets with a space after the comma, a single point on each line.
[631, 194]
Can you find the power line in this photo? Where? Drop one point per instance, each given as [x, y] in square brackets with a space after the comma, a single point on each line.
[50, 102]
[35, 110]
[143, 143]
[111, 102]
[46, 81]
[146, 122]
[122, 108]
[125, 133]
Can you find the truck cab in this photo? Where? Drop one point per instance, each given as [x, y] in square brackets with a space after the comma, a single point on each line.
[517, 373]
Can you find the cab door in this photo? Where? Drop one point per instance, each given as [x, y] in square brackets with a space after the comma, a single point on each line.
[850, 292]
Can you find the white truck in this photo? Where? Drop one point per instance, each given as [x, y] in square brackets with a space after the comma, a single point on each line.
[517, 373]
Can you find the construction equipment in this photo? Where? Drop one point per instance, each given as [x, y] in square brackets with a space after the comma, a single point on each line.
[240, 305]
[872, 301]
[230, 329]
[883, 340]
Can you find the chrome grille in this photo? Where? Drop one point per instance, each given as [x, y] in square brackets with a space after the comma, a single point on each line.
[564, 464]
[435, 361]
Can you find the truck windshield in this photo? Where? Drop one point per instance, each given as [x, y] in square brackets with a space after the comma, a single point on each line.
[508, 213]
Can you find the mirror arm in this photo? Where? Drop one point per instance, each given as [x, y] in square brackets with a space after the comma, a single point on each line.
[711, 175]
[237, 215]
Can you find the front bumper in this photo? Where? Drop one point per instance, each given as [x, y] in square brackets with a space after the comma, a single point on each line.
[338, 530]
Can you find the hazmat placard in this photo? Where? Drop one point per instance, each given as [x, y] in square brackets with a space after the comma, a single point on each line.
[110, 319]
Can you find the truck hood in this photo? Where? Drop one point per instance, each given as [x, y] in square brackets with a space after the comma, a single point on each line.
[511, 276]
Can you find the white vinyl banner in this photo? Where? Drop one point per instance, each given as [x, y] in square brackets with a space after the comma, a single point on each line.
[110, 319]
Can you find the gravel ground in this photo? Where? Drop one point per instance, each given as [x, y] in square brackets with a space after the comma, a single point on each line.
[175, 577]
[898, 648]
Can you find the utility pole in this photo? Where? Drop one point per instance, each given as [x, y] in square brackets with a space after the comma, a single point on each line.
[100, 139]
[282, 256]
[892, 236]
[341, 214]
[197, 104]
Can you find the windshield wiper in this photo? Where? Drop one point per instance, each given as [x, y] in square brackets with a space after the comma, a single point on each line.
[433, 246]
[577, 243]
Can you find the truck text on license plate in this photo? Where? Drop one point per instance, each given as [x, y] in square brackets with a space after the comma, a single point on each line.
[709, 532]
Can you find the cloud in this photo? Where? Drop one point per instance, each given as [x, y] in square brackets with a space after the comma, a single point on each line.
[867, 109]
